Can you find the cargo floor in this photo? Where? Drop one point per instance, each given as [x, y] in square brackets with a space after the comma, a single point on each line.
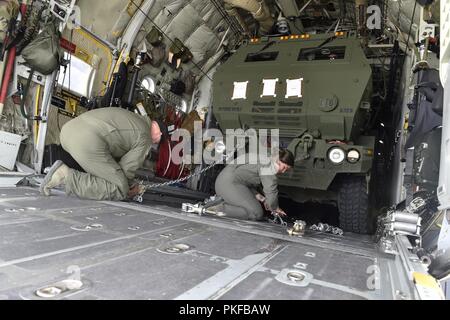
[130, 251]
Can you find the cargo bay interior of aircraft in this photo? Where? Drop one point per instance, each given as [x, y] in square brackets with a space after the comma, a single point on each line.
[128, 131]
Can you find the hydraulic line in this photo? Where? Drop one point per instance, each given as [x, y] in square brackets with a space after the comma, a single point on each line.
[170, 159]
[24, 96]
[7, 77]
[168, 38]
[9, 67]
[36, 112]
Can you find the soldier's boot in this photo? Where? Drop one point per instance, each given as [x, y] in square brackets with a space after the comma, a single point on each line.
[216, 210]
[54, 178]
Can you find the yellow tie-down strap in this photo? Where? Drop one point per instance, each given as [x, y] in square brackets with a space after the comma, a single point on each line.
[428, 287]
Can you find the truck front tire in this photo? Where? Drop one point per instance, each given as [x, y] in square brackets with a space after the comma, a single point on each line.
[353, 204]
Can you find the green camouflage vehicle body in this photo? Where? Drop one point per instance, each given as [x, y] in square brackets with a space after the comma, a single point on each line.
[332, 111]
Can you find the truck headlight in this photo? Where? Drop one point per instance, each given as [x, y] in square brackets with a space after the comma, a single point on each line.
[353, 156]
[336, 155]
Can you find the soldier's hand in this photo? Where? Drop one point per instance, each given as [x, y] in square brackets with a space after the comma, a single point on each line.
[134, 191]
[260, 197]
[281, 212]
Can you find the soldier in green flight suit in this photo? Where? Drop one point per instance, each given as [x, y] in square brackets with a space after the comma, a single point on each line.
[110, 144]
[237, 184]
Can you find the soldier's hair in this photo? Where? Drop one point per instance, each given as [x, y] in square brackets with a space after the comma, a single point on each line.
[164, 130]
[287, 157]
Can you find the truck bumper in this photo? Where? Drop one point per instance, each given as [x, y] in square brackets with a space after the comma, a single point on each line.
[318, 172]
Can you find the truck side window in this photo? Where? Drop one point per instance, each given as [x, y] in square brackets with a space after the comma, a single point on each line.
[261, 56]
[325, 53]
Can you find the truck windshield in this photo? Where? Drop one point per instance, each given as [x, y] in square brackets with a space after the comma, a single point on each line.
[325, 53]
[261, 56]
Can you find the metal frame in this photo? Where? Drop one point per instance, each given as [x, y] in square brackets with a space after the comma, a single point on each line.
[399, 274]
[444, 173]
[42, 134]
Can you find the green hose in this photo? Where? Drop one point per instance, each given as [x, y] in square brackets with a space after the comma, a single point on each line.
[25, 93]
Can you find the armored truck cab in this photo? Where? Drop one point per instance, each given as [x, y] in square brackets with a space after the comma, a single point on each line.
[316, 89]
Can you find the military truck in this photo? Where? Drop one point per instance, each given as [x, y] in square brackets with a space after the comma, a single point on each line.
[316, 89]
